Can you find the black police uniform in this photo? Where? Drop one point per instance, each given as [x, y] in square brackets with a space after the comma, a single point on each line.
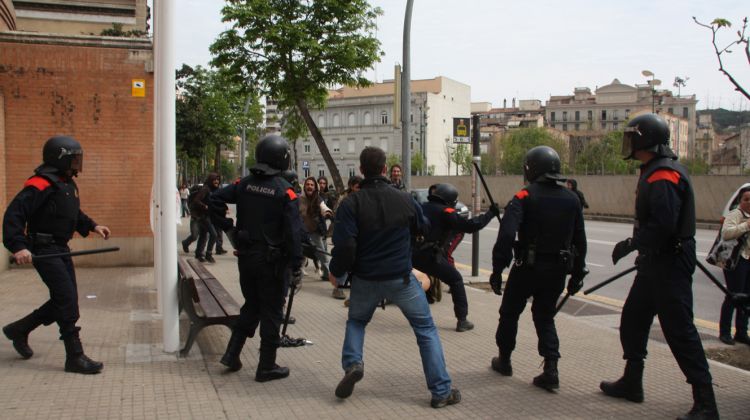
[48, 209]
[430, 256]
[664, 237]
[267, 238]
[551, 243]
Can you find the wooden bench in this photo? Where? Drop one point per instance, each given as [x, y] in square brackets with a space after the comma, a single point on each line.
[204, 299]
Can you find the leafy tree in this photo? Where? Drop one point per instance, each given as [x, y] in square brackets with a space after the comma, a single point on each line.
[228, 171]
[516, 143]
[604, 157]
[460, 156]
[209, 111]
[417, 164]
[715, 26]
[392, 159]
[696, 166]
[293, 50]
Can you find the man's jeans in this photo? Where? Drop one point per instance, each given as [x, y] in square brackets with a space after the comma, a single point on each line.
[364, 298]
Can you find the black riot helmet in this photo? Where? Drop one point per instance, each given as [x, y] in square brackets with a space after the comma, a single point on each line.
[64, 154]
[290, 176]
[443, 193]
[271, 155]
[646, 132]
[540, 163]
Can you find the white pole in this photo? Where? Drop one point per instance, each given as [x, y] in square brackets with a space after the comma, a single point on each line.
[166, 167]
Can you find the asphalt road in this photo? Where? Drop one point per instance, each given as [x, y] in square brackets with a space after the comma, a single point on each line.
[601, 237]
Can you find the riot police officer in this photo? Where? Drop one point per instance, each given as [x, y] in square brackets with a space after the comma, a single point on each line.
[551, 244]
[42, 219]
[267, 242]
[663, 235]
[429, 256]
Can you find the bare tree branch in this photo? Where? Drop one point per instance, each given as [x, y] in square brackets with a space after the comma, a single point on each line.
[714, 27]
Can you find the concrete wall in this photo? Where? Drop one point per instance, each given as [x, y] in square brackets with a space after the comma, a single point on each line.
[606, 195]
[81, 86]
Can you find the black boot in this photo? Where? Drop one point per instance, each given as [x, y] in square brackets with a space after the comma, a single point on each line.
[76, 361]
[268, 370]
[630, 386]
[19, 331]
[704, 404]
[502, 364]
[231, 358]
[548, 379]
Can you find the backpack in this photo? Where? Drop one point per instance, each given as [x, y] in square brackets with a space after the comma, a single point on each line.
[191, 197]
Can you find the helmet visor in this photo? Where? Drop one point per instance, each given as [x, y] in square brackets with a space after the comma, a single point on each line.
[76, 158]
[629, 138]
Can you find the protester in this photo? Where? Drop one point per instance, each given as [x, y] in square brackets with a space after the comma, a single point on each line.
[736, 224]
[548, 220]
[396, 179]
[314, 212]
[201, 227]
[572, 185]
[267, 237]
[372, 242]
[42, 219]
[184, 194]
[664, 235]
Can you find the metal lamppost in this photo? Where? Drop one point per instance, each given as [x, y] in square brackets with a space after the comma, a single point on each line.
[653, 83]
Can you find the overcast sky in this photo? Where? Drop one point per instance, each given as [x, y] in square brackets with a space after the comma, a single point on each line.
[536, 48]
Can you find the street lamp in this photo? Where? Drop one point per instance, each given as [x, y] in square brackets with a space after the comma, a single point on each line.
[653, 83]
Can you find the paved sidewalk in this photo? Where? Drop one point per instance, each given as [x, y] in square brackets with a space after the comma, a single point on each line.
[120, 328]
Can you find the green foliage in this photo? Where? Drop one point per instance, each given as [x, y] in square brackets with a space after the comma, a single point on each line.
[294, 50]
[392, 159]
[417, 164]
[116, 30]
[210, 110]
[487, 165]
[228, 171]
[516, 143]
[696, 166]
[720, 23]
[604, 157]
[722, 118]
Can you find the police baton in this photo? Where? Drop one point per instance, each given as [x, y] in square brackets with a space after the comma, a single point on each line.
[562, 302]
[609, 280]
[740, 300]
[12, 259]
[287, 341]
[486, 188]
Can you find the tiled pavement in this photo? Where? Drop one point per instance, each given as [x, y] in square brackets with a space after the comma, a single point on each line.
[121, 328]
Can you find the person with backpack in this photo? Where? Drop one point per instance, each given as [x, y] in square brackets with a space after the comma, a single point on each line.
[41, 220]
[201, 227]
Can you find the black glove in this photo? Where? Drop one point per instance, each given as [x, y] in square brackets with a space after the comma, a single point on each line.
[494, 209]
[575, 283]
[622, 249]
[296, 276]
[496, 281]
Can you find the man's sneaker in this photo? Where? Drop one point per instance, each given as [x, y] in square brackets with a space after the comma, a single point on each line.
[353, 375]
[338, 294]
[453, 398]
[464, 325]
[210, 258]
[185, 248]
[221, 251]
[200, 258]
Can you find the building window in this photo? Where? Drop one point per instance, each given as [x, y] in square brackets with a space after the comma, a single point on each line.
[552, 116]
[384, 144]
[684, 112]
[627, 114]
[307, 147]
[553, 125]
[604, 115]
[351, 171]
[351, 120]
[614, 115]
[411, 118]
[577, 127]
[578, 116]
[615, 125]
[350, 145]
[306, 171]
[368, 118]
[321, 171]
[670, 110]
[565, 115]
[383, 118]
[565, 127]
[604, 126]
[336, 146]
[336, 120]
[321, 121]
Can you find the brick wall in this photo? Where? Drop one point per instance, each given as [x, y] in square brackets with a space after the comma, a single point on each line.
[81, 86]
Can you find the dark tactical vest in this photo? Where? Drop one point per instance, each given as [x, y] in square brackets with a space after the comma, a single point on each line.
[58, 216]
[260, 210]
[549, 215]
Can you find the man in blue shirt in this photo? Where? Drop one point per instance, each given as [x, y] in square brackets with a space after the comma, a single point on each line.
[372, 244]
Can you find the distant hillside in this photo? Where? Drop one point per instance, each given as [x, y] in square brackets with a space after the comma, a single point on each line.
[724, 119]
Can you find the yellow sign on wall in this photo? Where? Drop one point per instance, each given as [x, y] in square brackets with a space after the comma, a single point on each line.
[139, 88]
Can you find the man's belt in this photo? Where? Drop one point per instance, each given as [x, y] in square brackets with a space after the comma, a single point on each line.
[41, 239]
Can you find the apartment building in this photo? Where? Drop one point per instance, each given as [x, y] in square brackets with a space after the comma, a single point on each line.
[80, 17]
[355, 118]
[586, 115]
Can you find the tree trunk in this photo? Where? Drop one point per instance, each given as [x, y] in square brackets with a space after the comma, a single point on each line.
[217, 159]
[332, 168]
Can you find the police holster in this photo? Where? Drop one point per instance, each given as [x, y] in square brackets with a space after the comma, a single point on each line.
[40, 240]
